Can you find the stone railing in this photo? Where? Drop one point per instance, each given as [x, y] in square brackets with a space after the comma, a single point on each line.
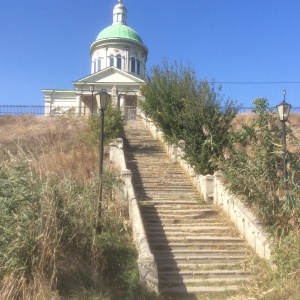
[245, 221]
[213, 191]
[146, 263]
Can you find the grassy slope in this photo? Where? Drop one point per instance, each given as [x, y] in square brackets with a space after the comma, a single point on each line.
[83, 264]
[55, 145]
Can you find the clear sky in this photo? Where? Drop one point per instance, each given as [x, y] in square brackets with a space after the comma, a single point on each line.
[45, 44]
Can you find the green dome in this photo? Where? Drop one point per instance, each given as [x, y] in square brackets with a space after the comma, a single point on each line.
[119, 31]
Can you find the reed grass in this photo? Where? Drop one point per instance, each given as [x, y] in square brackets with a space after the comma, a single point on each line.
[49, 245]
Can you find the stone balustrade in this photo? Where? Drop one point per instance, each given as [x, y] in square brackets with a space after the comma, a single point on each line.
[213, 190]
[146, 263]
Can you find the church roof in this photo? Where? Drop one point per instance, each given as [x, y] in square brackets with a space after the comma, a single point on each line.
[119, 31]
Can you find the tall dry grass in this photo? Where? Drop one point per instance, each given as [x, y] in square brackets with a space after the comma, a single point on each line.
[50, 248]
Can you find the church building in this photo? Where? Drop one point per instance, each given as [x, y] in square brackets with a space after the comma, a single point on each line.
[118, 65]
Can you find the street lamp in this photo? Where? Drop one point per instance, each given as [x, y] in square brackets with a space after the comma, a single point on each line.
[102, 98]
[283, 109]
[92, 89]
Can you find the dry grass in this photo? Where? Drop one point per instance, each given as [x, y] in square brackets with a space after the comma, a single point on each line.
[293, 123]
[246, 119]
[55, 149]
[53, 141]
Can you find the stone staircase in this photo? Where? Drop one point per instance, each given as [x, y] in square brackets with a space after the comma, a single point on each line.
[198, 252]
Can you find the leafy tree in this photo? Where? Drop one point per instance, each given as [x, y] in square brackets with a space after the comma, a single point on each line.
[189, 110]
[253, 170]
[113, 125]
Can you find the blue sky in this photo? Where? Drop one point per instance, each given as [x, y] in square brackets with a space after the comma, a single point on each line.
[45, 44]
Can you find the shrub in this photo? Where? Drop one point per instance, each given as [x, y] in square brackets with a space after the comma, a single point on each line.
[189, 110]
[113, 126]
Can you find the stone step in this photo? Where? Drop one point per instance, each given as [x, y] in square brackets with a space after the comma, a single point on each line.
[195, 289]
[191, 246]
[171, 204]
[174, 202]
[197, 252]
[190, 268]
[187, 260]
[217, 273]
[177, 226]
[194, 230]
[177, 209]
[172, 221]
[201, 211]
[215, 240]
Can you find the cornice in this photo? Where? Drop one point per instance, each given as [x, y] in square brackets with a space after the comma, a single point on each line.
[115, 41]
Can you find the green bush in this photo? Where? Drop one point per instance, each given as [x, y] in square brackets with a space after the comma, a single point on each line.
[113, 126]
[189, 110]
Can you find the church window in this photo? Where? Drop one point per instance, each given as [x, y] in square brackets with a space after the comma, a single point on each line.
[119, 61]
[111, 61]
[99, 64]
[132, 69]
[138, 66]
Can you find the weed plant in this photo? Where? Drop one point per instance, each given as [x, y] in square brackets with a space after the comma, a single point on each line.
[253, 171]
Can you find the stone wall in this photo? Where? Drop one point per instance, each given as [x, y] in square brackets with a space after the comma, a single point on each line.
[146, 263]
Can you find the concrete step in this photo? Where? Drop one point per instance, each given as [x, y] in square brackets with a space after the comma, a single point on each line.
[182, 260]
[189, 269]
[192, 231]
[173, 202]
[173, 221]
[195, 289]
[191, 246]
[217, 273]
[197, 251]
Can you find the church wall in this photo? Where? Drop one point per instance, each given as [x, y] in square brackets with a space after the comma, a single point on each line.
[56, 103]
[105, 53]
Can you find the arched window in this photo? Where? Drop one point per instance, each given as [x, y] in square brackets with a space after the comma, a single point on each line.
[119, 61]
[132, 69]
[138, 66]
[99, 64]
[111, 61]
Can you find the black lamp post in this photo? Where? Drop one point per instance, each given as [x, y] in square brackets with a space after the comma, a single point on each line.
[283, 109]
[92, 88]
[102, 98]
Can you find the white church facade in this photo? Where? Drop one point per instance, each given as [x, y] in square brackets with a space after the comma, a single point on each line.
[118, 65]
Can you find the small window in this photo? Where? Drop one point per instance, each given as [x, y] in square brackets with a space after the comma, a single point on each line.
[111, 60]
[119, 61]
[132, 64]
[138, 66]
[99, 64]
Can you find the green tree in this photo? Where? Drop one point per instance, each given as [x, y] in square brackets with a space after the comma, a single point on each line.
[189, 110]
[113, 125]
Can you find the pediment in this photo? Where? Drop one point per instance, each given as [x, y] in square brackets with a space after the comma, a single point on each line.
[110, 75]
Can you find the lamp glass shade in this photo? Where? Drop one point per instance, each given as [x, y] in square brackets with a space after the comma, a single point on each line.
[102, 98]
[283, 110]
[92, 88]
